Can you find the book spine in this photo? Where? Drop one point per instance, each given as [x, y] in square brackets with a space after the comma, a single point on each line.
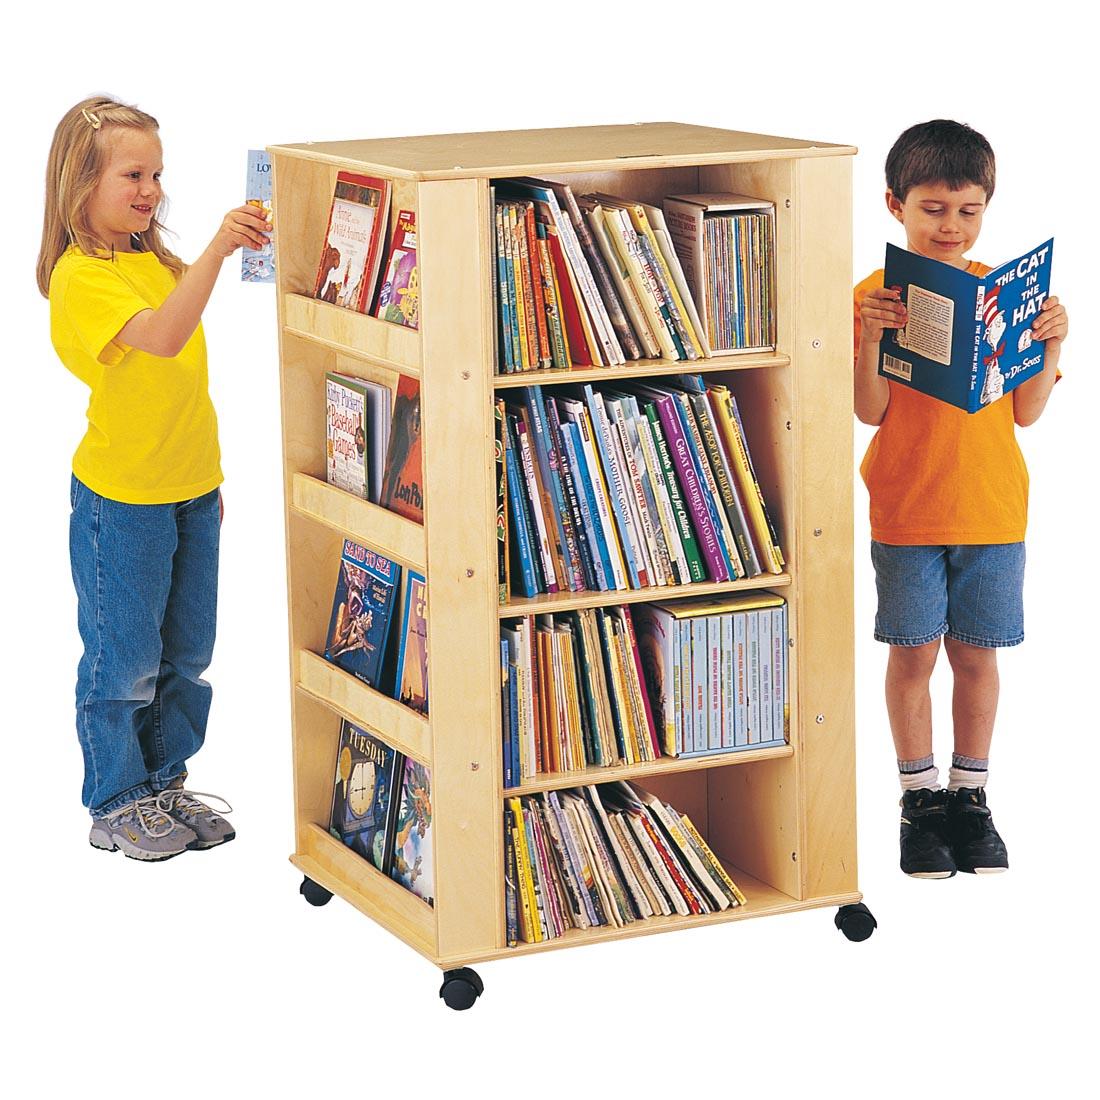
[538, 290]
[538, 505]
[752, 631]
[614, 562]
[714, 681]
[665, 521]
[654, 741]
[559, 352]
[645, 544]
[582, 489]
[522, 536]
[696, 570]
[510, 898]
[773, 552]
[581, 552]
[504, 305]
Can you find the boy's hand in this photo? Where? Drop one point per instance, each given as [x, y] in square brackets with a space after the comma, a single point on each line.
[243, 226]
[1052, 325]
[881, 309]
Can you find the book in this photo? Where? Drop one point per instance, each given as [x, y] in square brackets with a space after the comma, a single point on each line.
[412, 655]
[362, 608]
[399, 295]
[412, 846]
[402, 489]
[258, 265]
[352, 249]
[364, 797]
[346, 415]
[967, 340]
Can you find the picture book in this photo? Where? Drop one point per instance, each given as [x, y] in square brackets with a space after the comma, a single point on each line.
[402, 478]
[357, 423]
[258, 265]
[967, 340]
[352, 249]
[412, 846]
[362, 608]
[365, 796]
[399, 298]
[412, 654]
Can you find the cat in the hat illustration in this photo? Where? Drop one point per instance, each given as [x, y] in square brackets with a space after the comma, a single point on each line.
[995, 325]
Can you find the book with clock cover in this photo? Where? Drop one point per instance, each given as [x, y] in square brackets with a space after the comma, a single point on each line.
[352, 249]
[412, 846]
[403, 475]
[365, 795]
[412, 654]
[399, 297]
[968, 339]
[362, 608]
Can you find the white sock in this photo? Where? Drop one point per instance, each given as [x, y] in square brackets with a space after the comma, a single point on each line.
[915, 774]
[967, 771]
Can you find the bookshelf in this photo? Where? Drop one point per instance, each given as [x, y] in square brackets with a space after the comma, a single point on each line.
[782, 820]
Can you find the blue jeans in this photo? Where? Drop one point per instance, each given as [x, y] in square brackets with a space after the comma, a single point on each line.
[146, 579]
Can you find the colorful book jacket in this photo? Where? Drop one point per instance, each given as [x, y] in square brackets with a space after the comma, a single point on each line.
[258, 265]
[412, 654]
[353, 241]
[346, 464]
[412, 846]
[365, 795]
[362, 609]
[403, 477]
[967, 340]
[399, 298]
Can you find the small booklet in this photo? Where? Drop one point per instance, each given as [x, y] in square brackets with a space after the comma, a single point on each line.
[968, 338]
[258, 265]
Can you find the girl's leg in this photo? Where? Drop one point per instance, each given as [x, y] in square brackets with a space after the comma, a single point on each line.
[176, 723]
[121, 558]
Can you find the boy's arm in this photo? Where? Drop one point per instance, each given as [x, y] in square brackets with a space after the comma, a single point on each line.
[1029, 398]
[880, 309]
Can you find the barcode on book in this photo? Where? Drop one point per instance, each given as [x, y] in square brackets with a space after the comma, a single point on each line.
[899, 368]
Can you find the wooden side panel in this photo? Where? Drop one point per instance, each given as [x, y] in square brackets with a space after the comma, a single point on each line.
[460, 523]
[821, 354]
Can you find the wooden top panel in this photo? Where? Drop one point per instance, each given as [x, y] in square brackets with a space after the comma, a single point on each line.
[570, 149]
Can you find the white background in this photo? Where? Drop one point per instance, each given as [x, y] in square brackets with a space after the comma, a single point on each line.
[210, 971]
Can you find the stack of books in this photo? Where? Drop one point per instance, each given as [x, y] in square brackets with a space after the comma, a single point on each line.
[382, 809]
[596, 280]
[641, 486]
[604, 856]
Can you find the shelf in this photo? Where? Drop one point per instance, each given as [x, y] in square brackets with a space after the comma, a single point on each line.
[642, 368]
[572, 601]
[665, 766]
[354, 333]
[400, 727]
[338, 869]
[378, 528]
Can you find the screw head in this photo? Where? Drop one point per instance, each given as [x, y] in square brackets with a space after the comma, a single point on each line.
[817, 343]
[817, 532]
[465, 375]
[475, 766]
[819, 719]
[787, 203]
[469, 572]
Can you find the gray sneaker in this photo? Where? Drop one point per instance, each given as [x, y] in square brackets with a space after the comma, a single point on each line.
[186, 809]
[142, 831]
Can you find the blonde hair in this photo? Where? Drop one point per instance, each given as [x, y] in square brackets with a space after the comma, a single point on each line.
[77, 159]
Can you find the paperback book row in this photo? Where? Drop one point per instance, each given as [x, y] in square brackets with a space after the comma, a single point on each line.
[370, 590]
[619, 685]
[604, 856]
[351, 256]
[372, 444]
[597, 280]
[640, 486]
[382, 809]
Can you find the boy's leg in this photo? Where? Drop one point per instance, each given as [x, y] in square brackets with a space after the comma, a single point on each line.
[176, 724]
[908, 700]
[121, 564]
[973, 710]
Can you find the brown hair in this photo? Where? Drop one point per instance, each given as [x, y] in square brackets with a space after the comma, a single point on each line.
[940, 151]
[77, 158]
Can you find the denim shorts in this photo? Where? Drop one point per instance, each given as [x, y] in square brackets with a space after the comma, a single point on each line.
[972, 593]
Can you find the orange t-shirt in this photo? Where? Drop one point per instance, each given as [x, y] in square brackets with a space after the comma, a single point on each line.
[939, 476]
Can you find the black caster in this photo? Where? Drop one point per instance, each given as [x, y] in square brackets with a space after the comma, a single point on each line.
[855, 921]
[461, 988]
[314, 893]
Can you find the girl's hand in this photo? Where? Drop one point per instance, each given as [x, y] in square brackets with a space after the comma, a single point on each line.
[881, 309]
[244, 226]
[1052, 325]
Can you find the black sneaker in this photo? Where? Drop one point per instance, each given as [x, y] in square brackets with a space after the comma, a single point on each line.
[976, 844]
[925, 851]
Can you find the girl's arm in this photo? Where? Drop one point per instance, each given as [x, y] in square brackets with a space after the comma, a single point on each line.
[165, 330]
[1030, 398]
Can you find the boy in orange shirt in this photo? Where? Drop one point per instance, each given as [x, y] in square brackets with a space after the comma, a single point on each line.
[948, 496]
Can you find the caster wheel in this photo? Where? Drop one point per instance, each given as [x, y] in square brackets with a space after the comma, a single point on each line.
[855, 921]
[460, 988]
[314, 893]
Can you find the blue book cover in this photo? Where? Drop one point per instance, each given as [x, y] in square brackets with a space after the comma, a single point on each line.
[412, 655]
[362, 609]
[506, 711]
[574, 451]
[258, 265]
[521, 535]
[968, 339]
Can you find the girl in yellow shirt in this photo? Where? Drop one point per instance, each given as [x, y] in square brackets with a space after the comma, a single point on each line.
[146, 509]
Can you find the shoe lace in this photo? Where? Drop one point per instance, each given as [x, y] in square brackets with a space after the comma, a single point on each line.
[147, 815]
[187, 802]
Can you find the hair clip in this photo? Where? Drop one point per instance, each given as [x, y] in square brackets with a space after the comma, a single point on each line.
[93, 119]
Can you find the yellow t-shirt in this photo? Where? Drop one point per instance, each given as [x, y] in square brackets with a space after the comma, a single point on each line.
[152, 433]
[940, 476]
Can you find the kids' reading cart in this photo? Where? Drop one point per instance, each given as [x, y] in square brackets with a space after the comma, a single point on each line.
[782, 819]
